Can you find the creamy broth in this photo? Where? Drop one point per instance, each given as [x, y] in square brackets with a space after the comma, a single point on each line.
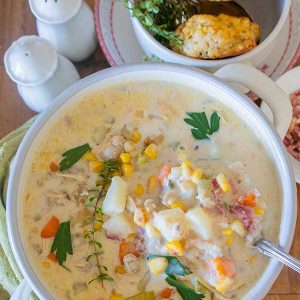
[155, 110]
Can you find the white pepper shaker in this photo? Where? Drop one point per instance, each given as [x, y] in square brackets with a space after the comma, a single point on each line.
[40, 73]
[68, 25]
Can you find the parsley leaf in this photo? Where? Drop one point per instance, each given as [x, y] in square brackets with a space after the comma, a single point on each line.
[185, 292]
[175, 267]
[203, 128]
[72, 156]
[62, 243]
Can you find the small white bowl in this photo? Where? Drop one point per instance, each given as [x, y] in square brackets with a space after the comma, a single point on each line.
[289, 83]
[271, 18]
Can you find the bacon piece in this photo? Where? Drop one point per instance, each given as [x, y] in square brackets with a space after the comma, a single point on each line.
[243, 213]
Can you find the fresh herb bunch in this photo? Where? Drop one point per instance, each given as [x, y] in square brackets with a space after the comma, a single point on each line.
[161, 17]
[109, 167]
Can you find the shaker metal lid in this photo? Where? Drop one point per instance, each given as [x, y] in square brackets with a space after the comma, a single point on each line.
[30, 60]
[54, 11]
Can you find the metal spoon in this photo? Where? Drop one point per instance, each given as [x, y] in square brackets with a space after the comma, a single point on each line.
[268, 248]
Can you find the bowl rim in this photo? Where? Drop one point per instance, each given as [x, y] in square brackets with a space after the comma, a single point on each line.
[260, 288]
[212, 63]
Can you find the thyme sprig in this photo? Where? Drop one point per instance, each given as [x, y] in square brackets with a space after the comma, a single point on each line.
[161, 17]
[109, 167]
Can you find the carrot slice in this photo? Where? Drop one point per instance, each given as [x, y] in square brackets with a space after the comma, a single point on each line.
[127, 248]
[50, 228]
[249, 200]
[166, 293]
[163, 173]
[52, 257]
[224, 267]
[53, 167]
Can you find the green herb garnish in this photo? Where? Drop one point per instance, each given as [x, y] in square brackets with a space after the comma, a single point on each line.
[72, 156]
[160, 17]
[95, 224]
[62, 243]
[202, 128]
[185, 292]
[175, 267]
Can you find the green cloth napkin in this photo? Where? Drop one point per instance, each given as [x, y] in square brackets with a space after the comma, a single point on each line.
[10, 275]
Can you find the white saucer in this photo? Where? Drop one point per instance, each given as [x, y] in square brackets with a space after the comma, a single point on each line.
[290, 83]
[120, 45]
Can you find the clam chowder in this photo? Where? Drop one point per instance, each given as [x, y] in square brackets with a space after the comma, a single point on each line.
[149, 190]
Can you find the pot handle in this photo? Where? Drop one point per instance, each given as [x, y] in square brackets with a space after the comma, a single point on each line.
[265, 88]
[22, 292]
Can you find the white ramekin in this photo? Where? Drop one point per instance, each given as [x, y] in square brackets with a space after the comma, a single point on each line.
[255, 56]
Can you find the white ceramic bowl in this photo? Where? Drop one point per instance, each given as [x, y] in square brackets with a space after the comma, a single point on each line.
[270, 16]
[289, 82]
[203, 81]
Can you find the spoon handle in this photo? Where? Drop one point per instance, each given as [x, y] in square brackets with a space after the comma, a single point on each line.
[268, 248]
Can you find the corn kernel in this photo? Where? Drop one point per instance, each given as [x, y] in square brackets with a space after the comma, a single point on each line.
[224, 284]
[116, 173]
[186, 164]
[151, 231]
[136, 137]
[125, 158]
[152, 184]
[238, 227]
[142, 160]
[116, 297]
[180, 205]
[90, 156]
[197, 176]
[222, 182]
[175, 248]
[229, 240]
[129, 146]
[227, 231]
[46, 264]
[158, 265]
[97, 225]
[187, 168]
[96, 166]
[139, 190]
[140, 217]
[127, 170]
[151, 151]
[259, 211]
[252, 259]
[120, 270]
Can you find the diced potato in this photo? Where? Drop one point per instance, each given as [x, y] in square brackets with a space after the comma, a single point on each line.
[201, 222]
[119, 226]
[203, 187]
[151, 231]
[238, 227]
[115, 199]
[171, 223]
[175, 173]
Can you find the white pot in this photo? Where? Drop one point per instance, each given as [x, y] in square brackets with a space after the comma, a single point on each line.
[203, 81]
[271, 18]
[68, 25]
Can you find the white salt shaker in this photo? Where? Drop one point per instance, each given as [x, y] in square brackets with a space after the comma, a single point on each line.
[40, 73]
[68, 25]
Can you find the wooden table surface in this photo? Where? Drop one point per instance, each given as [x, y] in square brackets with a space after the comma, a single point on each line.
[16, 20]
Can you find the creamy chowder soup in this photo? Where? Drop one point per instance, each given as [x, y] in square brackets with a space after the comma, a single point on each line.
[146, 191]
